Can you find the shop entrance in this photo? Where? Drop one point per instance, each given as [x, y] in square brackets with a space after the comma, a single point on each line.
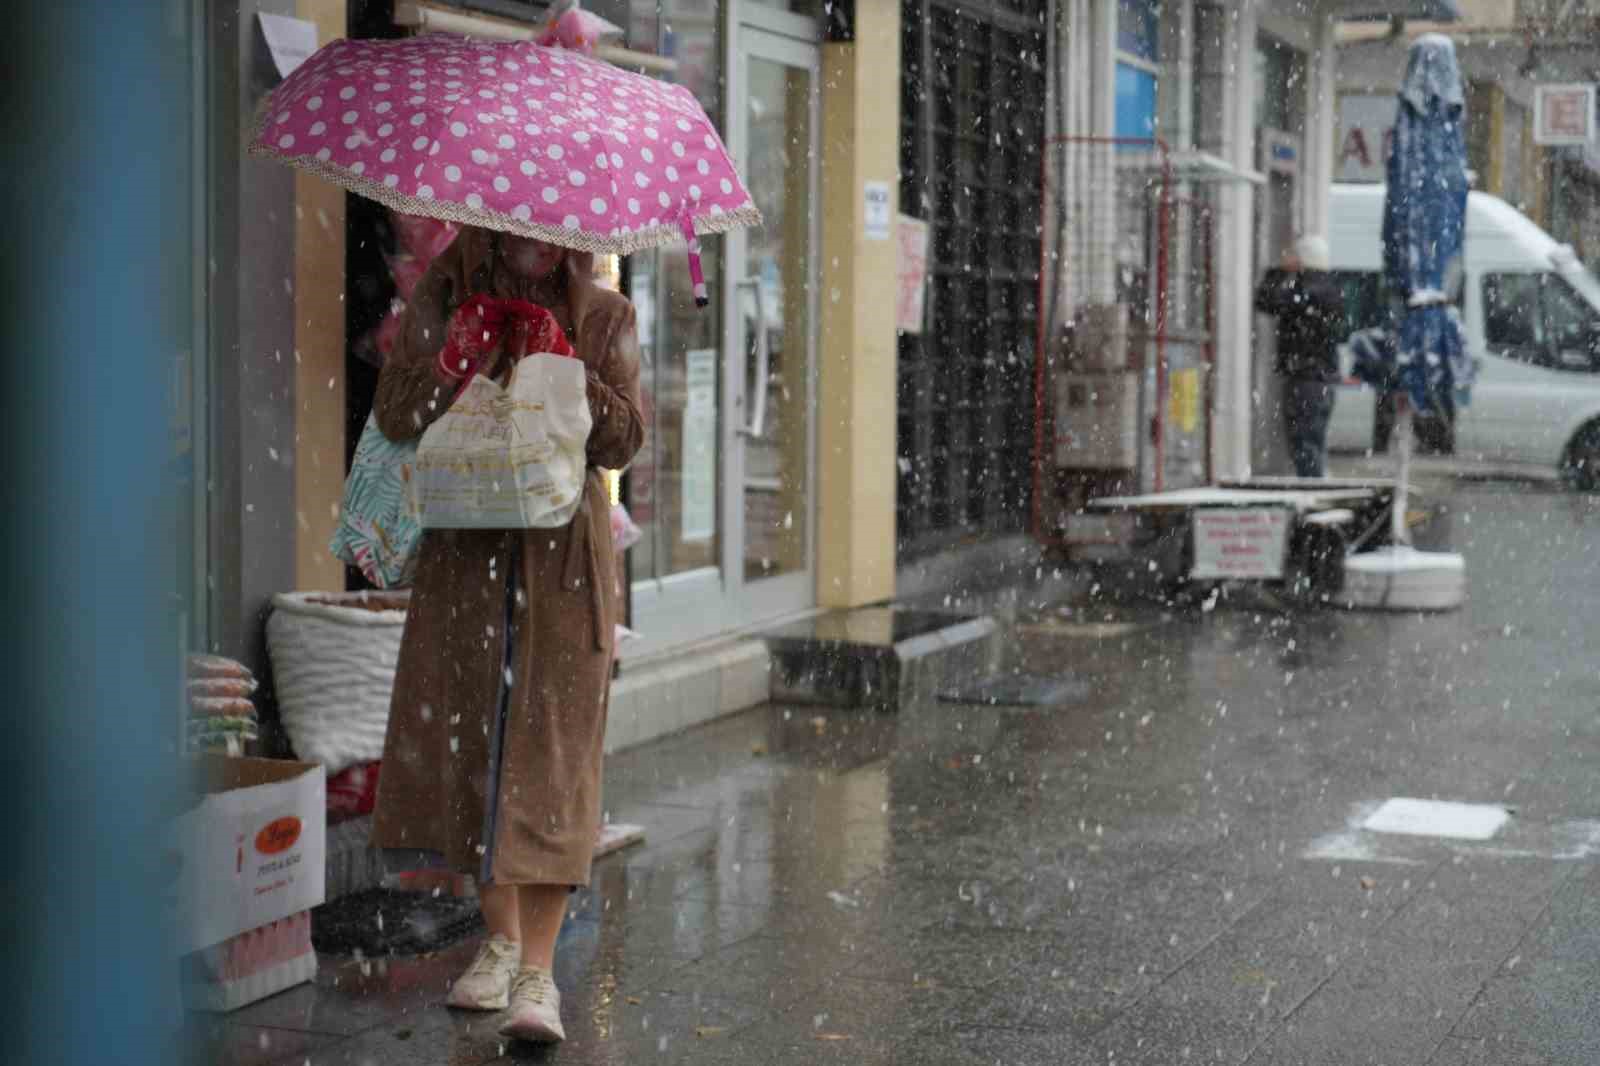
[733, 414]
[1277, 225]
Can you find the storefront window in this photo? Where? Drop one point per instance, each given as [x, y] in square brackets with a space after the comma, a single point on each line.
[1280, 82]
[799, 7]
[1210, 75]
[1139, 29]
[1138, 52]
[673, 488]
[1136, 102]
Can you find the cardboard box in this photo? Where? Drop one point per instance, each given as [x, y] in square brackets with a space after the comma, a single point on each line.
[1097, 421]
[251, 966]
[1099, 338]
[253, 849]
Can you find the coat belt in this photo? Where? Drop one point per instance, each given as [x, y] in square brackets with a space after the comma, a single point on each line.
[583, 563]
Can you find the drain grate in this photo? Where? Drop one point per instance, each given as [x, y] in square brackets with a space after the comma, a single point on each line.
[1017, 690]
[383, 921]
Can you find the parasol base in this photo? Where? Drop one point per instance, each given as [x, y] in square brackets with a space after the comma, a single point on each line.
[1400, 578]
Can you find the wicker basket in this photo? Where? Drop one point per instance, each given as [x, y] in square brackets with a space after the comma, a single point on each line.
[333, 662]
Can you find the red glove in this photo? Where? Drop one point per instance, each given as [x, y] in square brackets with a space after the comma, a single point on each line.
[473, 332]
[535, 329]
[482, 323]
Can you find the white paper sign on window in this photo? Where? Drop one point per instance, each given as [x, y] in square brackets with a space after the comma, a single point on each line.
[912, 271]
[699, 504]
[877, 215]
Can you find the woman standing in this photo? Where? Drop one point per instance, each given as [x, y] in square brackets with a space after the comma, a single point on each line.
[493, 755]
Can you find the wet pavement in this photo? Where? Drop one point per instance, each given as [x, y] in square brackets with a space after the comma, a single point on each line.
[1168, 867]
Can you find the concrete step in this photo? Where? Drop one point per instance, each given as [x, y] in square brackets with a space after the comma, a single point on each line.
[879, 657]
[657, 697]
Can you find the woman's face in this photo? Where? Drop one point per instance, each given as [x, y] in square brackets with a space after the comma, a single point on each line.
[531, 258]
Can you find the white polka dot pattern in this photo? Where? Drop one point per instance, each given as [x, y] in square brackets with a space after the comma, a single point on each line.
[508, 135]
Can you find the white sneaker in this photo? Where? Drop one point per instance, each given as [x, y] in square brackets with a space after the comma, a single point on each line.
[535, 1009]
[486, 984]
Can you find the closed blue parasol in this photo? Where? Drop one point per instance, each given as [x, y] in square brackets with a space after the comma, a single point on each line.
[1424, 214]
[1423, 357]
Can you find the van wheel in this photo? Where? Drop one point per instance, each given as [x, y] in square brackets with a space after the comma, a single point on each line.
[1583, 459]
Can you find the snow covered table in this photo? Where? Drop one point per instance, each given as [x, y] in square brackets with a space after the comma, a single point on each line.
[1290, 530]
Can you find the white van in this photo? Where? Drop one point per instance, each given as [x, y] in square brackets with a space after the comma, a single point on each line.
[1532, 316]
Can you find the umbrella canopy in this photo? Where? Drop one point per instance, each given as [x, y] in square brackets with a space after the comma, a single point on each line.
[1424, 213]
[510, 136]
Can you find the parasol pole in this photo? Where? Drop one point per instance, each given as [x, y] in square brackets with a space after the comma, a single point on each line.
[1400, 507]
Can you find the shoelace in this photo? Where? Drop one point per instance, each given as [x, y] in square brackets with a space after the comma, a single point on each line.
[534, 985]
[489, 957]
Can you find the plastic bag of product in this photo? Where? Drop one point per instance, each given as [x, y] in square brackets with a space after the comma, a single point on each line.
[625, 532]
[215, 667]
[222, 688]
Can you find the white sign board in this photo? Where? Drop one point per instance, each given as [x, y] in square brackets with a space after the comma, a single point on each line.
[699, 504]
[291, 41]
[1563, 115]
[1366, 133]
[912, 274]
[876, 214]
[1240, 543]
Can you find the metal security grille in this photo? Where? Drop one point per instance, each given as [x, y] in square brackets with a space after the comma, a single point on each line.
[972, 126]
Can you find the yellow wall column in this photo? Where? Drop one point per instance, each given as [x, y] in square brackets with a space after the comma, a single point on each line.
[856, 414]
[1493, 178]
[1528, 161]
[1534, 177]
[1485, 127]
[319, 342]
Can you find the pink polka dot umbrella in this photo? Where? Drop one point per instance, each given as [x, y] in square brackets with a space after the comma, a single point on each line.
[511, 136]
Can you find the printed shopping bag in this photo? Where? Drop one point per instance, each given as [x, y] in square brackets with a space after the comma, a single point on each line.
[507, 458]
[377, 533]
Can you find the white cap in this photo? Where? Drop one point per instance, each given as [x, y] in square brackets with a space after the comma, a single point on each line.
[1312, 251]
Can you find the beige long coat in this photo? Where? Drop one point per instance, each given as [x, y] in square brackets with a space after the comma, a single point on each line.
[517, 803]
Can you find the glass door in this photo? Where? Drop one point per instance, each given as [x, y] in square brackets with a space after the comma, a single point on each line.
[768, 381]
[675, 486]
[723, 486]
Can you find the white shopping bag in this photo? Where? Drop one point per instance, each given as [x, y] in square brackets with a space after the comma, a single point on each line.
[511, 458]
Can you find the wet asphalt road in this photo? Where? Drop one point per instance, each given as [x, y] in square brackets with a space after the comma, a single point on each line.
[1166, 868]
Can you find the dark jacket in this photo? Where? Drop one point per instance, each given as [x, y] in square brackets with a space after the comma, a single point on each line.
[1310, 312]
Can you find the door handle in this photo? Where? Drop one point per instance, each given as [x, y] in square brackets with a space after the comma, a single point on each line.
[758, 403]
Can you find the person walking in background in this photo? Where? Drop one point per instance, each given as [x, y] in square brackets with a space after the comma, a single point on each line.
[1310, 313]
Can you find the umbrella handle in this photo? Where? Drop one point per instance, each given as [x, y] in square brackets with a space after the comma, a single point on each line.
[697, 275]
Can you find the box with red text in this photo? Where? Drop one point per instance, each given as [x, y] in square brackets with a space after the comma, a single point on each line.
[252, 849]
